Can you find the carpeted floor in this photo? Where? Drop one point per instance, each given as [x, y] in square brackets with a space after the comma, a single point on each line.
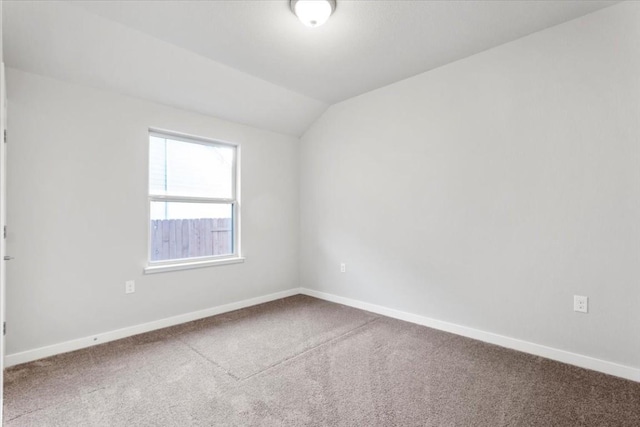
[301, 361]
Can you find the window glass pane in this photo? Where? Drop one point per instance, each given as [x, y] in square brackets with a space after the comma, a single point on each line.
[188, 230]
[180, 168]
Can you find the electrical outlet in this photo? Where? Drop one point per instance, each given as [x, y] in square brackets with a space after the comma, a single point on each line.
[580, 304]
[343, 268]
[129, 287]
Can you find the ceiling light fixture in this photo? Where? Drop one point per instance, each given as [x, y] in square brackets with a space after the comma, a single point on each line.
[313, 13]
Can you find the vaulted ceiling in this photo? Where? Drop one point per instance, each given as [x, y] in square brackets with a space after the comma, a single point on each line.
[252, 61]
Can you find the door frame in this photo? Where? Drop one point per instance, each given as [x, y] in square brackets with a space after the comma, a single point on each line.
[3, 198]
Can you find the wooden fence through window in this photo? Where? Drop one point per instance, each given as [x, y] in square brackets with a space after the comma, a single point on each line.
[188, 238]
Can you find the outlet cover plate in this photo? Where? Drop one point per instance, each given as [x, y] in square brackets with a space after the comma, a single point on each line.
[129, 287]
[580, 304]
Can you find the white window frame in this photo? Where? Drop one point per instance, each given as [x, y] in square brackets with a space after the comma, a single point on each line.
[234, 201]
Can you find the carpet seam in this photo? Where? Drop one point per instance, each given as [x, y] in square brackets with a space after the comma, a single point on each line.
[34, 410]
[329, 341]
[214, 363]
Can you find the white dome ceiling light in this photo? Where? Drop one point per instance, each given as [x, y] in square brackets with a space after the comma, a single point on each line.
[313, 13]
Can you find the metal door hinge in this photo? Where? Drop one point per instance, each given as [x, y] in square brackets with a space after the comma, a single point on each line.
[4, 232]
[5, 136]
[4, 328]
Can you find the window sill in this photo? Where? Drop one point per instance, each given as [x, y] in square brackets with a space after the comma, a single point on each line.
[188, 265]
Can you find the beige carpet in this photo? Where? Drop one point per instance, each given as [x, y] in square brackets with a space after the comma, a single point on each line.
[306, 362]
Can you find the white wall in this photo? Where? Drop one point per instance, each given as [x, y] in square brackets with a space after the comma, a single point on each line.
[78, 214]
[488, 192]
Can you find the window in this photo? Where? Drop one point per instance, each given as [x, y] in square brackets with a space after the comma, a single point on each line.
[193, 202]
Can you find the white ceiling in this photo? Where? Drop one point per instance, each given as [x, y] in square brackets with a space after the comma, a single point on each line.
[251, 61]
[363, 46]
[55, 39]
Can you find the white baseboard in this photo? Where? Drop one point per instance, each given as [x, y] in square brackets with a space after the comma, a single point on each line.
[575, 359]
[570, 358]
[77, 344]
